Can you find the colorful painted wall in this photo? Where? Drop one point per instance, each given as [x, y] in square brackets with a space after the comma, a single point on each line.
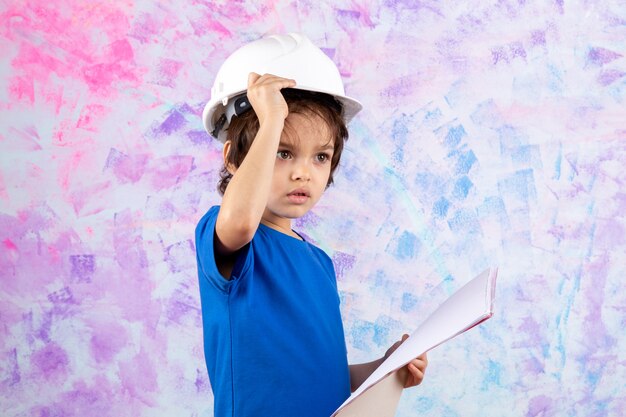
[493, 134]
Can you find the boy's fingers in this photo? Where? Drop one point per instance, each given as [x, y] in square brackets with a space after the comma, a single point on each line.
[269, 79]
[252, 78]
[414, 377]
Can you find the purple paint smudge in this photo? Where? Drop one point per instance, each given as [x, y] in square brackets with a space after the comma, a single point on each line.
[180, 256]
[83, 267]
[601, 56]
[498, 54]
[202, 383]
[128, 243]
[173, 122]
[540, 406]
[182, 305]
[538, 37]
[61, 300]
[609, 76]
[343, 262]
[199, 137]
[517, 50]
[11, 364]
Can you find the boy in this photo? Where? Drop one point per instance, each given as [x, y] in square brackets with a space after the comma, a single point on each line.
[274, 341]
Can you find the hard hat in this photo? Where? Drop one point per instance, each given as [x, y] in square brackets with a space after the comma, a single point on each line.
[289, 56]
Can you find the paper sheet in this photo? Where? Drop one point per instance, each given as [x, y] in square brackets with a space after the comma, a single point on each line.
[378, 396]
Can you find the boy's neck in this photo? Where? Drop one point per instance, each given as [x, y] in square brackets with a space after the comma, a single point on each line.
[282, 227]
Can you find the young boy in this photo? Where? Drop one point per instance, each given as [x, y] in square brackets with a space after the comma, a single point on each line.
[273, 336]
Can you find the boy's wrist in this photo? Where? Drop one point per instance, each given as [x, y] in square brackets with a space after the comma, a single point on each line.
[274, 123]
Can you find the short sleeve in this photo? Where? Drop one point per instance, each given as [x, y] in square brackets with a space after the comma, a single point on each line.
[205, 253]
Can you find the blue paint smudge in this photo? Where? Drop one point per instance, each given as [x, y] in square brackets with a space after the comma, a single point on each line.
[487, 114]
[521, 155]
[423, 404]
[510, 139]
[464, 162]
[364, 331]
[520, 184]
[555, 82]
[557, 163]
[461, 188]
[408, 245]
[433, 115]
[440, 208]
[464, 220]
[427, 181]
[492, 376]
[399, 133]
[454, 136]
[492, 206]
[408, 302]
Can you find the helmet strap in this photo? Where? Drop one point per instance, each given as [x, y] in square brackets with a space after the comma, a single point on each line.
[235, 107]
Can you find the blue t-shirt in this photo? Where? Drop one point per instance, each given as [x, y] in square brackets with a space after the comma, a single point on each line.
[273, 337]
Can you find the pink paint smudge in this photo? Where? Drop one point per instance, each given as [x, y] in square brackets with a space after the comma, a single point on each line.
[168, 171]
[51, 361]
[168, 71]
[127, 168]
[91, 199]
[91, 116]
[107, 340]
[3, 189]
[11, 253]
[139, 378]
[22, 89]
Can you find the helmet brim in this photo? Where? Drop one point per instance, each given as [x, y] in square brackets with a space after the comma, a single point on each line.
[214, 110]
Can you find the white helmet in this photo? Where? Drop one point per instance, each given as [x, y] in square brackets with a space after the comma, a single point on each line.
[289, 56]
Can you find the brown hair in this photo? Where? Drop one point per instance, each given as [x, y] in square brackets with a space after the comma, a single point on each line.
[243, 128]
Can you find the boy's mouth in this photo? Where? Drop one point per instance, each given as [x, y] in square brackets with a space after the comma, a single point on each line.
[298, 196]
[299, 192]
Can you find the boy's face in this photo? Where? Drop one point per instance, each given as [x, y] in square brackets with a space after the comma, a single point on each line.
[302, 169]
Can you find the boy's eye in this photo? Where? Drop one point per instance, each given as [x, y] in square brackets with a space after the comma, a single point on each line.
[323, 157]
[283, 154]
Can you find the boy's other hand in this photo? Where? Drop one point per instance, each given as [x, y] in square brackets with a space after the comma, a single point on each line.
[265, 96]
[414, 369]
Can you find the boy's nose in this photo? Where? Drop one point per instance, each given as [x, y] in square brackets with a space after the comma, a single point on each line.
[301, 172]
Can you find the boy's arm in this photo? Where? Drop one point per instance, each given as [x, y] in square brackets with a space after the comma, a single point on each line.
[415, 369]
[360, 372]
[247, 193]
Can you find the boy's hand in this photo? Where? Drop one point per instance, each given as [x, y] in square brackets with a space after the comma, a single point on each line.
[414, 369]
[265, 96]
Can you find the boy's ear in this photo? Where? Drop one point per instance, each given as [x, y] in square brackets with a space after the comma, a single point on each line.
[225, 151]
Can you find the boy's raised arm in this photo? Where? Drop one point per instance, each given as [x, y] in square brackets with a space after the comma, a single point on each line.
[247, 193]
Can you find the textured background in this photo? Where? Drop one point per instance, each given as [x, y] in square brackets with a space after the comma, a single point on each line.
[492, 134]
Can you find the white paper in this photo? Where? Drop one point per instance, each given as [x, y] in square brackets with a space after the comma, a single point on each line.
[378, 396]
